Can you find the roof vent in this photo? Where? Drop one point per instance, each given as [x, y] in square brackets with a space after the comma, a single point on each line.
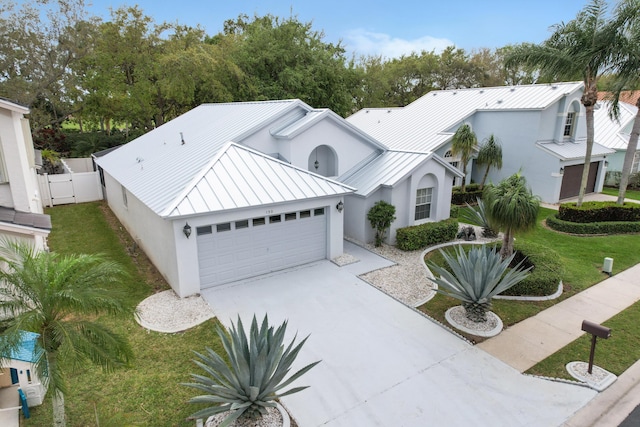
[182, 138]
[454, 92]
[554, 86]
[482, 91]
[499, 101]
[435, 93]
[513, 89]
[388, 111]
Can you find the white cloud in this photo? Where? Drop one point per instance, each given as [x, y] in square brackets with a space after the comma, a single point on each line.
[362, 42]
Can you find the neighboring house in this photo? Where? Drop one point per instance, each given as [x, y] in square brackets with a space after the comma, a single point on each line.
[230, 191]
[542, 130]
[21, 212]
[614, 134]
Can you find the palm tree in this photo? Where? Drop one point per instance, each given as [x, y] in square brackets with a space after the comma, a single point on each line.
[463, 143]
[582, 47]
[490, 154]
[58, 297]
[627, 75]
[512, 207]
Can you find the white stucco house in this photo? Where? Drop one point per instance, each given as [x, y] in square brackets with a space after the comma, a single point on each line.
[542, 130]
[230, 191]
[614, 134]
[21, 211]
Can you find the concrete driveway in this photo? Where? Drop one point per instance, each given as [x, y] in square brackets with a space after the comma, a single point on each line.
[383, 364]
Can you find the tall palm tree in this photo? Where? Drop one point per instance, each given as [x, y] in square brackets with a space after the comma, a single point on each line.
[627, 67]
[58, 297]
[490, 154]
[582, 47]
[512, 207]
[463, 143]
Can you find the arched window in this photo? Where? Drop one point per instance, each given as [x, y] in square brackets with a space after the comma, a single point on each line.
[571, 121]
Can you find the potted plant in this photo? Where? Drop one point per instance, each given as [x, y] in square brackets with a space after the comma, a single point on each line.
[252, 377]
[475, 278]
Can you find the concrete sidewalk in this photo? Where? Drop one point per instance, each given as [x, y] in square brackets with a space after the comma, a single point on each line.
[536, 338]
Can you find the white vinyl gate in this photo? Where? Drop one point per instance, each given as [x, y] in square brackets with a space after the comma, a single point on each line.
[65, 188]
[247, 248]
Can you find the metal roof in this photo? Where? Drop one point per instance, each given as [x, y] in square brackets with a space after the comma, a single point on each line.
[239, 177]
[430, 121]
[158, 166]
[610, 132]
[387, 169]
[573, 150]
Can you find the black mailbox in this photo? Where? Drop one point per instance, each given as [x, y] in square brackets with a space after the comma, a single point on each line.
[595, 329]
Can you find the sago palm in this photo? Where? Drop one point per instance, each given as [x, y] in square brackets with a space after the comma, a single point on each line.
[252, 377]
[475, 278]
[58, 297]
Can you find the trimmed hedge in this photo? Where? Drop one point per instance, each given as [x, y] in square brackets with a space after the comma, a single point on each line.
[454, 211]
[606, 227]
[427, 234]
[599, 212]
[546, 274]
[472, 192]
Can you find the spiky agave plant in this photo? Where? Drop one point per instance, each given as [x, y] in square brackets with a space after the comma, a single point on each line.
[255, 373]
[478, 215]
[475, 278]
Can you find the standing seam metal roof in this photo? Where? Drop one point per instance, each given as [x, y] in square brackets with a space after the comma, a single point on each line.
[157, 167]
[428, 122]
[610, 132]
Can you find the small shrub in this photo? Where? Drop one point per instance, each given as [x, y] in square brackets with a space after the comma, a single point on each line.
[599, 212]
[431, 233]
[471, 193]
[546, 274]
[454, 211]
[381, 215]
[607, 227]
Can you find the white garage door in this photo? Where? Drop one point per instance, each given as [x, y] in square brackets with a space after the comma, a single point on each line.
[240, 249]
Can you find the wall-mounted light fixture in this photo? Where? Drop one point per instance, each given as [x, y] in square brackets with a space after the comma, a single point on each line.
[187, 230]
[562, 171]
[316, 163]
[340, 206]
[606, 163]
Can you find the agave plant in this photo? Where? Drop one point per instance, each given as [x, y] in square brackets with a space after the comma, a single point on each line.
[478, 215]
[255, 373]
[475, 278]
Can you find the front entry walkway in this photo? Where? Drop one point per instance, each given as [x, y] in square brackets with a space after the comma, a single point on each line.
[384, 364]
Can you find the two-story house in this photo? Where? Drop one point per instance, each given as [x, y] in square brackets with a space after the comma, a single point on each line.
[21, 212]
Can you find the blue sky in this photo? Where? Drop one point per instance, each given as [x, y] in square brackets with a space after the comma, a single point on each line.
[389, 28]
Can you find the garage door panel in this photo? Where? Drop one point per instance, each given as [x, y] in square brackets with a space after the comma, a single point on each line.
[572, 179]
[236, 254]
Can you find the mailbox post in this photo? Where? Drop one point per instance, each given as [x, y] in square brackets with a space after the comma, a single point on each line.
[596, 331]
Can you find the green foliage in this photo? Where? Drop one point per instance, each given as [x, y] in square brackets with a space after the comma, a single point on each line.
[607, 227]
[478, 215]
[463, 143]
[251, 378]
[427, 234]
[512, 208]
[380, 216]
[468, 195]
[56, 296]
[454, 211]
[599, 212]
[489, 154]
[546, 274]
[476, 277]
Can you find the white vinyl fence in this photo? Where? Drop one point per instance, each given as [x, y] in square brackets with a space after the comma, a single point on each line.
[71, 187]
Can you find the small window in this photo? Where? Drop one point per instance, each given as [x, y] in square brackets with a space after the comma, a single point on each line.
[318, 211]
[242, 224]
[29, 376]
[423, 203]
[448, 154]
[223, 227]
[568, 125]
[258, 221]
[275, 219]
[290, 216]
[305, 214]
[204, 230]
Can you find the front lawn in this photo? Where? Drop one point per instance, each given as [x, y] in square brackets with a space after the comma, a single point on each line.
[630, 194]
[582, 258]
[147, 393]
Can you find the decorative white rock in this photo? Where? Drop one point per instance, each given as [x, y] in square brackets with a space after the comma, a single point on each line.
[599, 379]
[456, 316]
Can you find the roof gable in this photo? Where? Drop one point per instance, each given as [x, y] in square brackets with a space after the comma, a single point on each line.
[423, 124]
[610, 132]
[240, 177]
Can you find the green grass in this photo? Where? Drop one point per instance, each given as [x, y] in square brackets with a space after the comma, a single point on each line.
[582, 258]
[148, 392]
[630, 194]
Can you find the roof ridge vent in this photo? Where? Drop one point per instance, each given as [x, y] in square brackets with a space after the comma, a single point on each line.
[513, 89]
